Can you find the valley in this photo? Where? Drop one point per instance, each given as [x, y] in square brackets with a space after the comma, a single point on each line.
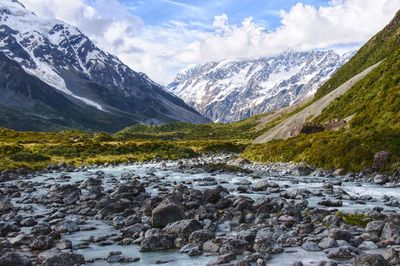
[287, 159]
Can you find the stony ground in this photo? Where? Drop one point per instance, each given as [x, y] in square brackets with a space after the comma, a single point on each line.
[240, 223]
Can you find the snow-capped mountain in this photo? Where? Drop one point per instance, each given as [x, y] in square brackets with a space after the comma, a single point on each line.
[54, 74]
[233, 90]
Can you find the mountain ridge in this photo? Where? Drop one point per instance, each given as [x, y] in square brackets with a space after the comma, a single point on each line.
[235, 89]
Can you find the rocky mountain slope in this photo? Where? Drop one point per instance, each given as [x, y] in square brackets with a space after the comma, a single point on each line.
[362, 122]
[53, 76]
[233, 90]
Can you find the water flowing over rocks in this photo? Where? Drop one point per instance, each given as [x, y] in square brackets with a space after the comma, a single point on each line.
[187, 212]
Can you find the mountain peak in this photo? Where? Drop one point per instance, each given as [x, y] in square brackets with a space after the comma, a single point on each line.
[234, 89]
[60, 56]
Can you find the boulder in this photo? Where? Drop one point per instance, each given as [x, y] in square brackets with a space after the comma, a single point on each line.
[265, 184]
[375, 227]
[5, 205]
[327, 242]
[392, 256]
[306, 128]
[311, 246]
[42, 243]
[331, 203]
[222, 259]
[345, 252]
[339, 234]
[55, 257]
[67, 226]
[370, 260]
[67, 194]
[380, 179]
[183, 228]
[14, 259]
[155, 242]
[367, 245]
[390, 230]
[166, 212]
[301, 170]
[201, 236]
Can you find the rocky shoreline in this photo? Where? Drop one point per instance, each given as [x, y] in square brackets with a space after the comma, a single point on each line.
[218, 210]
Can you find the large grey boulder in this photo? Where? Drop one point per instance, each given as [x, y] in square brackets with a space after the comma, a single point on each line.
[166, 212]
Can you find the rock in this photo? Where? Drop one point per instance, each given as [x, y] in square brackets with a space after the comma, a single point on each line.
[345, 252]
[380, 179]
[341, 235]
[264, 184]
[375, 227]
[381, 158]
[339, 172]
[332, 220]
[261, 262]
[8, 227]
[264, 242]
[212, 246]
[14, 259]
[327, 242]
[5, 205]
[201, 236]
[117, 257]
[331, 203]
[213, 195]
[133, 229]
[298, 263]
[67, 226]
[42, 243]
[328, 263]
[54, 257]
[64, 244]
[157, 242]
[166, 212]
[68, 194]
[222, 259]
[41, 229]
[301, 170]
[306, 128]
[27, 222]
[183, 228]
[310, 246]
[390, 231]
[236, 246]
[392, 256]
[370, 260]
[133, 219]
[367, 245]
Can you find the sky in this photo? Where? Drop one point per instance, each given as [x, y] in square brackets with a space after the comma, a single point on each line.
[162, 37]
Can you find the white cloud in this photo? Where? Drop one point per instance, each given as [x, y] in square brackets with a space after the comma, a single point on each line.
[162, 50]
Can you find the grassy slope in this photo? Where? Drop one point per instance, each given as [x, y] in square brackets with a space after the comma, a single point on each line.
[374, 102]
[36, 150]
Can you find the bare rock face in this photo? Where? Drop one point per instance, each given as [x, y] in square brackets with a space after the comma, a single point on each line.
[381, 159]
[307, 128]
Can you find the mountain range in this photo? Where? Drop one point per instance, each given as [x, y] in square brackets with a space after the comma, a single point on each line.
[233, 90]
[52, 77]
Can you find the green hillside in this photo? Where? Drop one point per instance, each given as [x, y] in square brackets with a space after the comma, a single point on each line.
[373, 103]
